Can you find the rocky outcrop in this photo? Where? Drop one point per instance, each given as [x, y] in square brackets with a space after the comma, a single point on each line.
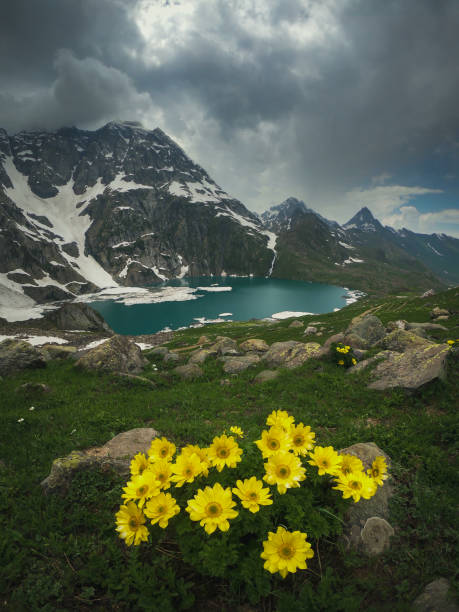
[200, 356]
[16, 355]
[78, 316]
[364, 331]
[225, 346]
[266, 375]
[234, 365]
[400, 340]
[190, 371]
[254, 345]
[115, 455]
[290, 354]
[436, 597]
[118, 354]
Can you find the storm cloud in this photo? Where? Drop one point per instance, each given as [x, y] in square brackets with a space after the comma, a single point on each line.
[275, 98]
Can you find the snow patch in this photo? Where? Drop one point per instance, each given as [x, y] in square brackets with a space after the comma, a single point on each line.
[286, 314]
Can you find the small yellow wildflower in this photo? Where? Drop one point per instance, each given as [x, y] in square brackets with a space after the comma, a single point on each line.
[212, 506]
[326, 459]
[252, 494]
[356, 485]
[378, 470]
[286, 551]
[237, 431]
[280, 418]
[161, 448]
[224, 451]
[161, 508]
[141, 488]
[284, 470]
[302, 439]
[350, 464]
[274, 440]
[162, 469]
[130, 524]
[186, 469]
[340, 362]
[139, 463]
[189, 449]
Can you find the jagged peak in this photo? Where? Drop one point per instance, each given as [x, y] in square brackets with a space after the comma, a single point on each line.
[363, 220]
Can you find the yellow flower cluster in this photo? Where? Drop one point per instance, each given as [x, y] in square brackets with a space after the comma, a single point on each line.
[343, 349]
[284, 447]
[451, 342]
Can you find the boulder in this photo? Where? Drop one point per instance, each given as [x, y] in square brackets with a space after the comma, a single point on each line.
[290, 354]
[188, 371]
[442, 318]
[115, 455]
[254, 345]
[296, 324]
[16, 355]
[310, 329]
[428, 293]
[117, 354]
[375, 536]
[411, 369]
[203, 340]
[234, 365]
[425, 326]
[436, 597]
[57, 351]
[171, 357]
[438, 312]
[77, 316]
[225, 346]
[201, 355]
[34, 387]
[325, 348]
[400, 340]
[266, 375]
[364, 332]
[366, 362]
[159, 351]
[393, 325]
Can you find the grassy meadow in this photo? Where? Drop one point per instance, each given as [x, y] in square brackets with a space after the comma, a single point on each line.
[62, 552]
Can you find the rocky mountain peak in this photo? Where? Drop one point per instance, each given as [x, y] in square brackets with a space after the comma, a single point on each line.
[363, 220]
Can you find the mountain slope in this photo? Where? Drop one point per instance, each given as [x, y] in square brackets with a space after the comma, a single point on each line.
[361, 254]
[118, 206]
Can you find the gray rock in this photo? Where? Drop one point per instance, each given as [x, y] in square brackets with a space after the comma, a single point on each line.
[254, 345]
[290, 354]
[117, 354]
[16, 355]
[412, 369]
[266, 375]
[438, 312]
[428, 293]
[234, 365]
[188, 371]
[375, 536]
[364, 331]
[325, 348]
[203, 340]
[359, 354]
[171, 357]
[34, 387]
[296, 324]
[310, 329]
[393, 325]
[442, 318]
[77, 316]
[426, 326]
[159, 351]
[57, 351]
[366, 362]
[225, 346]
[436, 597]
[201, 355]
[115, 455]
[401, 340]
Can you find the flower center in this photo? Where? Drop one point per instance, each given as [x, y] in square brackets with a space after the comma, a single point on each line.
[274, 444]
[161, 509]
[188, 472]
[163, 452]
[324, 463]
[283, 471]
[286, 552]
[253, 495]
[375, 472]
[345, 469]
[161, 477]
[213, 509]
[133, 523]
[141, 491]
[223, 452]
[355, 484]
[298, 441]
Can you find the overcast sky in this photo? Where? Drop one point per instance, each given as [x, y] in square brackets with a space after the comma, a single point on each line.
[340, 103]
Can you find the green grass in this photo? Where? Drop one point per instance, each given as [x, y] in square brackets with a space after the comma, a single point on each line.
[62, 553]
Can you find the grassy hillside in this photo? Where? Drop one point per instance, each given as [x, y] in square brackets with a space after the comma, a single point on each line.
[62, 553]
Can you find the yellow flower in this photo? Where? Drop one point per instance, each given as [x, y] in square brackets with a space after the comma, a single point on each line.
[284, 470]
[185, 469]
[286, 551]
[340, 362]
[139, 463]
[212, 506]
[162, 469]
[326, 459]
[237, 431]
[450, 341]
[224, 451]
[280, 418]
[350, 464]
[252, 494]
[161, 508]
[189, 449]
[274, 440]
[378, 470]
[356, 485]
[354, 361]
[130, 524]
[161, 448]
[141, 488]
[302, 439]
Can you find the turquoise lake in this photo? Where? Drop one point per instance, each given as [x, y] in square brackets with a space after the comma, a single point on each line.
[186, 302]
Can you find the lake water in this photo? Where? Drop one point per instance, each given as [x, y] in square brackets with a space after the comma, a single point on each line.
[185, 302]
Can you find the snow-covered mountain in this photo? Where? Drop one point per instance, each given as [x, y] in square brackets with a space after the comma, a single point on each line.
[121, 205]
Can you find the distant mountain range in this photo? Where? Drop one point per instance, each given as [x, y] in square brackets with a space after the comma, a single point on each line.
[123, 205]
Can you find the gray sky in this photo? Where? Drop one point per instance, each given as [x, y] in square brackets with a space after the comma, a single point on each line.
[341, 103]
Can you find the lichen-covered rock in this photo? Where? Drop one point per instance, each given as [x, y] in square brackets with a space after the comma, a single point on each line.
[393, 325]
[438, 312]
[436, 597]
[171, 357]
[16, 355]
[188, 371]
[364, 331]
[225, 346]
[57, 351]
[290, 354]
[296, 324]
[266, 375]
[425, 326]
[400, 340]
[325, 348]
[117, 354]
[234, 365]
[115, 455]
[411, 369]
[201, 355]
[159, 351]
[361, 365]
[254, 345]
[375, 536]
[310, 329]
